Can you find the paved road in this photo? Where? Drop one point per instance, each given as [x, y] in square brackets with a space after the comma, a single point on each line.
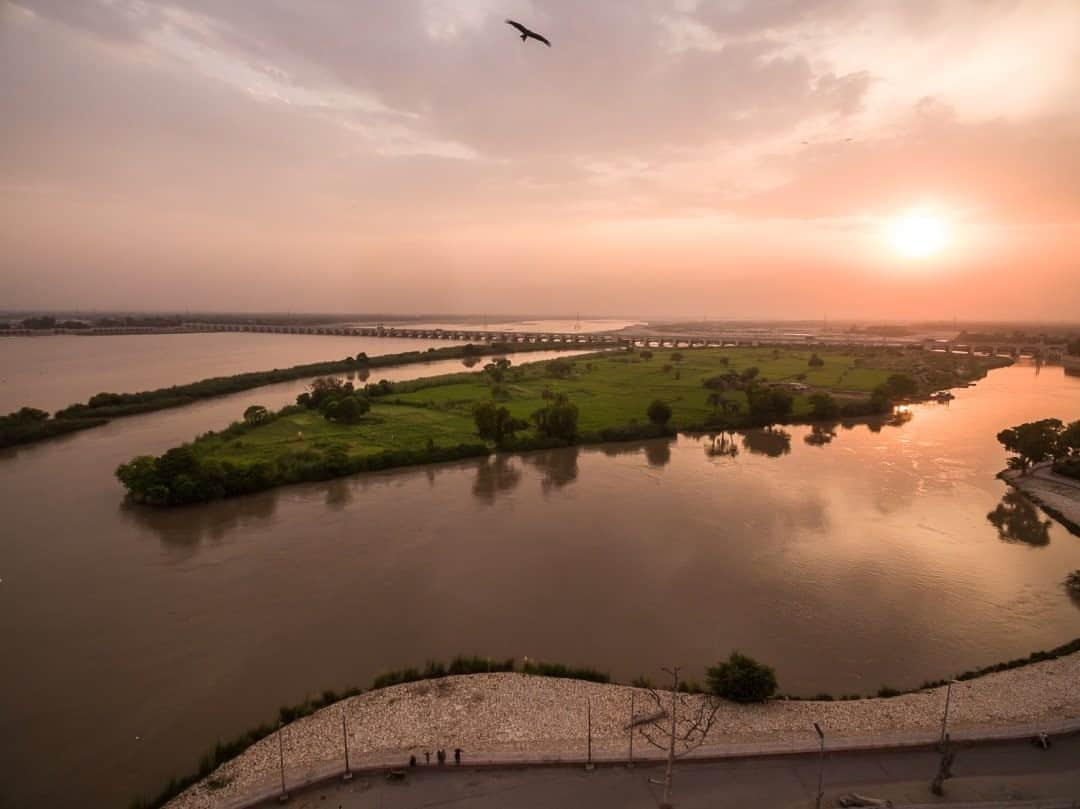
[992, 772]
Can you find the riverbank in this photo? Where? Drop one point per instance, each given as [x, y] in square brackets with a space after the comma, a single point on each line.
[1057, 495]
[610, 395]
[541, 718]
[102, 407]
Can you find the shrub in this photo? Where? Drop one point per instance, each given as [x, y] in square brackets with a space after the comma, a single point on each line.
[479, 665]
[568, 672]
[742, 679]
[815, 361]
[560, 368]
[823, 406]
[886, 692]
[659, 412]
[557, 420]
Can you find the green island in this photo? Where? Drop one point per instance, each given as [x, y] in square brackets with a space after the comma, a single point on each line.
[29, 424]
[337, 430]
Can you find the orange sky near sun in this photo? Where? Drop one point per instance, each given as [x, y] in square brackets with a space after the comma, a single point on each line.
[768, 159]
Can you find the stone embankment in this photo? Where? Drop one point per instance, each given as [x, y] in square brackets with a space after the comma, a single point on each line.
[520, 718]
[1057, 495]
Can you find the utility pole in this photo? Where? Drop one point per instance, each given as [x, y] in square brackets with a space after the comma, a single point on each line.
[945, 716]
[821, 766]
[666, 803]
[347, 776]
[284, 796]
[588, 754]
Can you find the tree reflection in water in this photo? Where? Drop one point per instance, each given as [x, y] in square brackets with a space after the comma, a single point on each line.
[495, 475]
[771, 441]
[657, 451]
[559, 467]
[188, 527]
[821, 434]
[1018, 520]
[721, 446]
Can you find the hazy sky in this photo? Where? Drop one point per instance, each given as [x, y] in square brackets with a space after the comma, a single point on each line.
[729, 158]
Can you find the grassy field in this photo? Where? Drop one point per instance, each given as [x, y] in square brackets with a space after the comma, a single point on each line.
[610, 390]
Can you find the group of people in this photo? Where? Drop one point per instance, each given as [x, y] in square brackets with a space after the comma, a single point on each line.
[440, 757]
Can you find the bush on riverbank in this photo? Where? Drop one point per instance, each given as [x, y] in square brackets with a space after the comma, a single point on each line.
[742, 679]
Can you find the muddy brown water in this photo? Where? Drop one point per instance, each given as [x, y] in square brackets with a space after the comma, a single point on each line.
[848, 559]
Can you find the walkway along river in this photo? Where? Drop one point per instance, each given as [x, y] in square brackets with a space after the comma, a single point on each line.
[134, 638]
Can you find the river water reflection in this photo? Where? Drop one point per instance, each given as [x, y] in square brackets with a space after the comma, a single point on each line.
[848, 557]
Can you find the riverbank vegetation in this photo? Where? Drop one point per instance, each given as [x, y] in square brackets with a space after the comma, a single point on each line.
[28, 424]
[615, 396]
[101, 407]
[1044, 440]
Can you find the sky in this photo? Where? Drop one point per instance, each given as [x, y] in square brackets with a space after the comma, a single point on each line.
[738, 159]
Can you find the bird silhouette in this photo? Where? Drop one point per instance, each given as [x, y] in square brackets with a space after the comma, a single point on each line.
[526, 33]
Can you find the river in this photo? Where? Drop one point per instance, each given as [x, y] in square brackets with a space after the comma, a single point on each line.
[134, 638]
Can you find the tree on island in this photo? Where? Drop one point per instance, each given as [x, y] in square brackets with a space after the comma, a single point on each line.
[351, 408]
[823, 406]
[256, 414]
[497, 368]
[560, 368]
[495, 423]
[659, 412]
[558, 419]
[769, 405]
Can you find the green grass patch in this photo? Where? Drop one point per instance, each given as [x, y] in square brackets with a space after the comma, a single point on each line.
[431, 420]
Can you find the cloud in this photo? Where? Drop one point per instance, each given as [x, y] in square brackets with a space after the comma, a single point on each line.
[424, 134]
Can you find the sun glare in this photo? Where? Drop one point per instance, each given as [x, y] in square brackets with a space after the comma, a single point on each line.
[917, 235]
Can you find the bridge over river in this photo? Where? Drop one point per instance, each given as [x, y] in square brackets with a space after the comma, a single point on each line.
[576, 339]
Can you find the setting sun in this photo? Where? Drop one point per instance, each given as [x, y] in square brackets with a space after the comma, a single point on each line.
[917, 235]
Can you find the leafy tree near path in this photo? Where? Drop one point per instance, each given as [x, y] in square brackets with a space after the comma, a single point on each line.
[1033, 442]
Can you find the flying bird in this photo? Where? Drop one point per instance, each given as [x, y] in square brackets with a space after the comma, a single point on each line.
[526, 33]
